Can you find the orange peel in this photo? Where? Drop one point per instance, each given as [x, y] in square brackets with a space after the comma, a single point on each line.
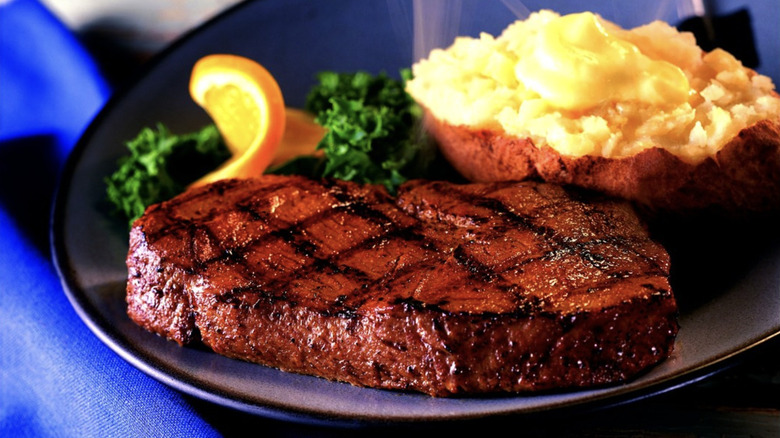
[301, 137]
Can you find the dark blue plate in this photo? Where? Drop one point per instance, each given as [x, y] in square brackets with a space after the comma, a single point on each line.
[294, 40]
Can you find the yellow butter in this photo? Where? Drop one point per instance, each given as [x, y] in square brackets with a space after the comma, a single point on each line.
[576, 63]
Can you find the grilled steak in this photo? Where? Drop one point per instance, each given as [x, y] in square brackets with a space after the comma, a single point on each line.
[444, 289]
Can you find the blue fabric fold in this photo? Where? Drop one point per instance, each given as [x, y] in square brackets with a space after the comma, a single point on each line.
[56, 377]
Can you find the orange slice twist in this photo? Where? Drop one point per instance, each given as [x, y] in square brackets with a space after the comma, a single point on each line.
[246, 104]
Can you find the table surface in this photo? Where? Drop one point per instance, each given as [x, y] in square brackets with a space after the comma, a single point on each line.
[741, 400]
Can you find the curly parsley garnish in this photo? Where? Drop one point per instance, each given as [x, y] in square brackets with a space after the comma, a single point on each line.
[161, 165]
[373, 128]
[373, 136]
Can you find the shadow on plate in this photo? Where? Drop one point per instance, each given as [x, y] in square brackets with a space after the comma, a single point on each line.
[710, 254]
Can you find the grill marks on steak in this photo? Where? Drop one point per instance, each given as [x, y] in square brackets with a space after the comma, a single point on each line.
[553, 252]
[444, 289]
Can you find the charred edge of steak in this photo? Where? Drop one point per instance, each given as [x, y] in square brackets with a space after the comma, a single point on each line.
[413, 324]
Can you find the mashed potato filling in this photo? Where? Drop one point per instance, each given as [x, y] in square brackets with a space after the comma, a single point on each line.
[584, 86]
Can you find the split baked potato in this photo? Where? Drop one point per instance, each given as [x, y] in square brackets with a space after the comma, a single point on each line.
[642, 114]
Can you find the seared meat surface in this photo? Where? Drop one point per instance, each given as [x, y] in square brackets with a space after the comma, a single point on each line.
[444, 289]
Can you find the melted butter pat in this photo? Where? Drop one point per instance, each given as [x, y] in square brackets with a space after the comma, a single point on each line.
[577, 63]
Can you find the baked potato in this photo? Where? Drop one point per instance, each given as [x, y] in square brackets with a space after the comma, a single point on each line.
[704, 137]
[744, 176]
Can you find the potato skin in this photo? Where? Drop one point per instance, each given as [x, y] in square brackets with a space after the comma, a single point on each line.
[743, 177]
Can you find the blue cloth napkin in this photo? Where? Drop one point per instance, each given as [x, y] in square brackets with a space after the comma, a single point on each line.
[56, 377]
